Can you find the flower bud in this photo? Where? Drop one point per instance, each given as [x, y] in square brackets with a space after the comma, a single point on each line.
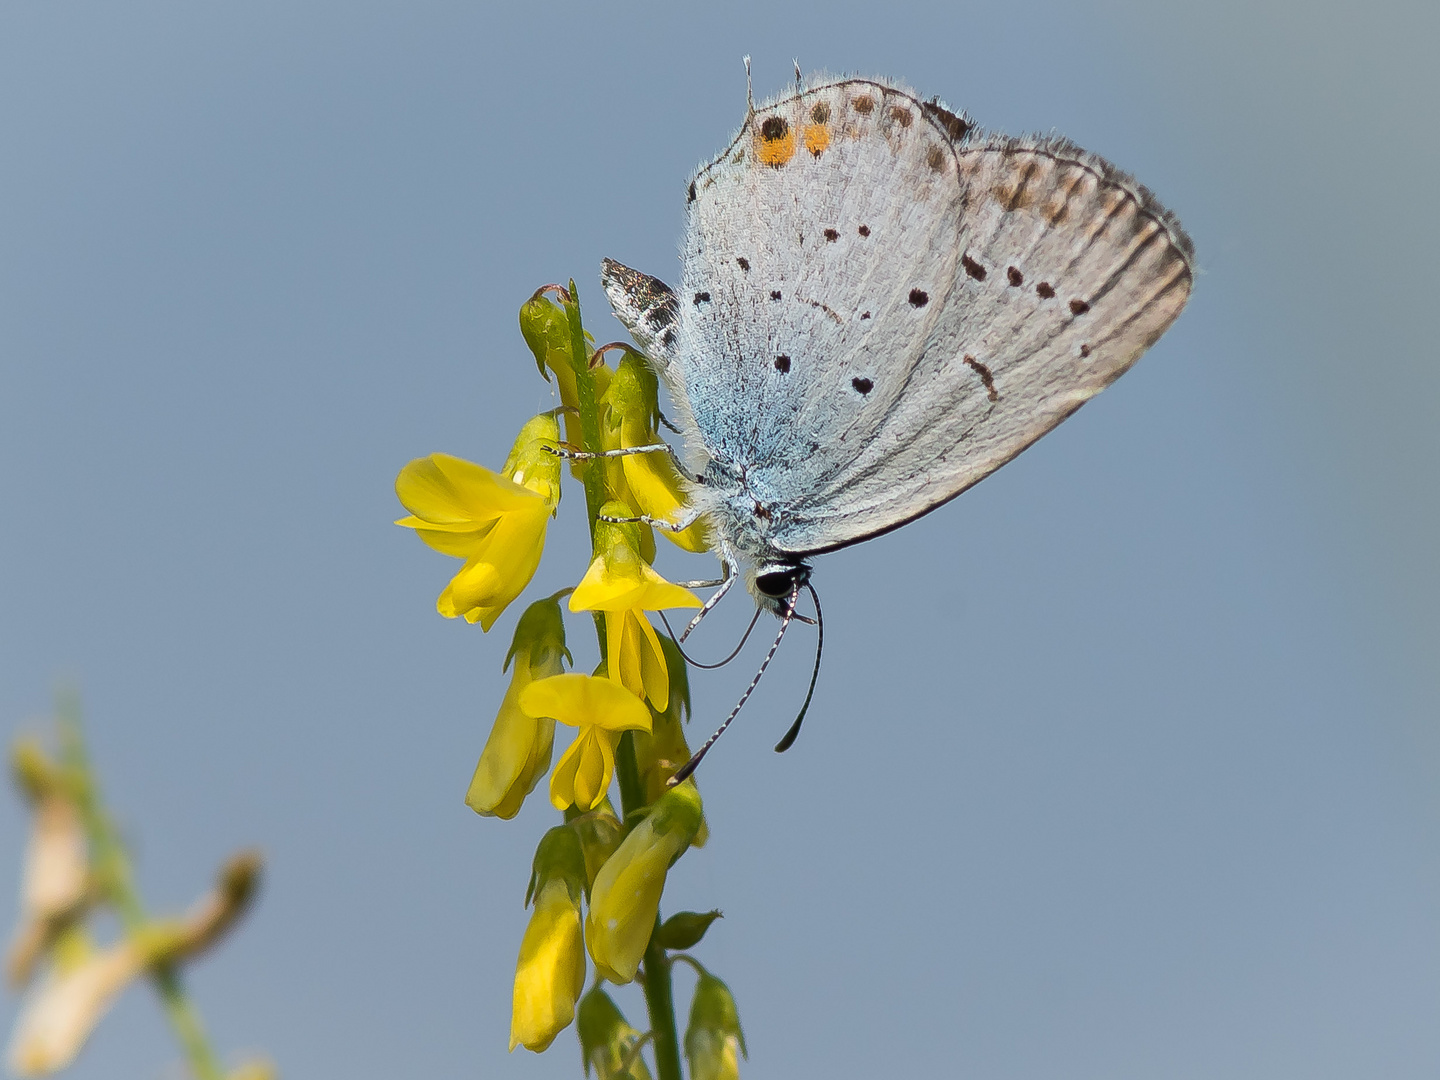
[550, 973]
[546, 329]
[517, 753]
[607, 1042]
[626, 896]
[714, 1042]
[684, 929]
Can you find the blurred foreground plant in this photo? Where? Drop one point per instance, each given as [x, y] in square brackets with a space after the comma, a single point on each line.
[76, 867]
[598, 877]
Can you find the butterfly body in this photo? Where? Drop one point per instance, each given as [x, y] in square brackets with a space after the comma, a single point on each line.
[880, 305]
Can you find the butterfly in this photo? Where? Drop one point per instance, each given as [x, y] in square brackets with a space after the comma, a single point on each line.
[880, 305]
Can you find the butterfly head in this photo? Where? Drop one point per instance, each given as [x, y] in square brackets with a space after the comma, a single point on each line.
[775, 584]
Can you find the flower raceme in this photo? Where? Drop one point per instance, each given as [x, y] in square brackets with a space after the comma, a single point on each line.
[601, 709]
[517, 753]
[622, 585]
[625, 898]
[495, 522]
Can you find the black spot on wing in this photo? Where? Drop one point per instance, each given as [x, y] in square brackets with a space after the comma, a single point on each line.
[973, 268]
[743, 263]
[919, 298]
[782, 363]
[1014, 276]
[1045, 291]
[862, 385]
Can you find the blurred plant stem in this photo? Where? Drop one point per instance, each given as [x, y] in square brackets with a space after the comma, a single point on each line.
[111, 865]
[659, 998]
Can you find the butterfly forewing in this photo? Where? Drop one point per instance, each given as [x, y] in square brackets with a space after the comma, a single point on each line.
[881, 307]
[792, 232]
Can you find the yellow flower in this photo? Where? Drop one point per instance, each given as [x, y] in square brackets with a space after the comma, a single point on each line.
[517, 753]
[67, 1005]
[601, 709]
[550, 974]
[55, 890]
[626, 896]
[653, 481]
[495, 523]
[607, 1042]
[713, 1041]
[621, 584]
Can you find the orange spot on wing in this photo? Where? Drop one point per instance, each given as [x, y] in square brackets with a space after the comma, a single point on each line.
[776, 151]
[817, 138]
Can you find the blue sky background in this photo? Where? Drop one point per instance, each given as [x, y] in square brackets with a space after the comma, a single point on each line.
[1123, 765]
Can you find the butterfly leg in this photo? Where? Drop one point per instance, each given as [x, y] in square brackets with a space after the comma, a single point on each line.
[587, 455]
[727, 567]
[625, 451]
[688, 518]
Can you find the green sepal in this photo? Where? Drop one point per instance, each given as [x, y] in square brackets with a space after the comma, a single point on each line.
[540, 634]
[558, 855]
[600, 834]
[606, 1040]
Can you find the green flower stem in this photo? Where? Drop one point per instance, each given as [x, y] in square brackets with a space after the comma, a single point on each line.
[111, 864]
[660, 1004]
[589, 414]
[659, 997]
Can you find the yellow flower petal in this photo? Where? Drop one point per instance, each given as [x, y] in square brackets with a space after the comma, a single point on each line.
[583, 775]
[612, 583]
[453, 494]
[579, 700]
[618, 579]
[655, 488]
[459, 543]
[516, 754]
[660, 594]
[550, 974]
[626, 895]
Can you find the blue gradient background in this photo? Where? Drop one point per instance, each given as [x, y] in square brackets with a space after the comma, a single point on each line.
[1123, 765]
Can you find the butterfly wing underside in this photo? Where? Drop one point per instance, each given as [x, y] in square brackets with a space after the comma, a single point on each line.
[879, 306]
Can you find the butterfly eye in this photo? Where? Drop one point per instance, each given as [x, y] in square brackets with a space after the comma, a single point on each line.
[781, 581]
